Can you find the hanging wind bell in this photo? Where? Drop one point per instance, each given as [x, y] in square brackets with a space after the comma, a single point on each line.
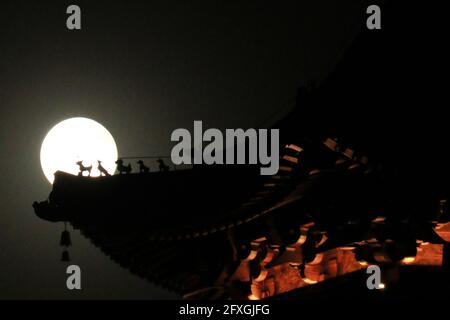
[65, 256]
[65, 239]
[65, 242]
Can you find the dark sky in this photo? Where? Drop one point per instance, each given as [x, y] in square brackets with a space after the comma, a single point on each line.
[142, 69]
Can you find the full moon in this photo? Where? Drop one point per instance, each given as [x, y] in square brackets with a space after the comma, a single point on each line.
[77, 139]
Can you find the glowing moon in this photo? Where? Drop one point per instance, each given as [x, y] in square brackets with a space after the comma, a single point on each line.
[77, 139]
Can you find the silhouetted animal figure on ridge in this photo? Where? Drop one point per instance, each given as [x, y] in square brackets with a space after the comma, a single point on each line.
[142, 167]
[102, 170]
[121, 168]
[162, 165]
[83, 168]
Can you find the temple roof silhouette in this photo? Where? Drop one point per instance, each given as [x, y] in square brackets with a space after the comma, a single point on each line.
[347, 195]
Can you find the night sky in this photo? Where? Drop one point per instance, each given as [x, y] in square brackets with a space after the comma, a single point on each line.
[142, 69]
